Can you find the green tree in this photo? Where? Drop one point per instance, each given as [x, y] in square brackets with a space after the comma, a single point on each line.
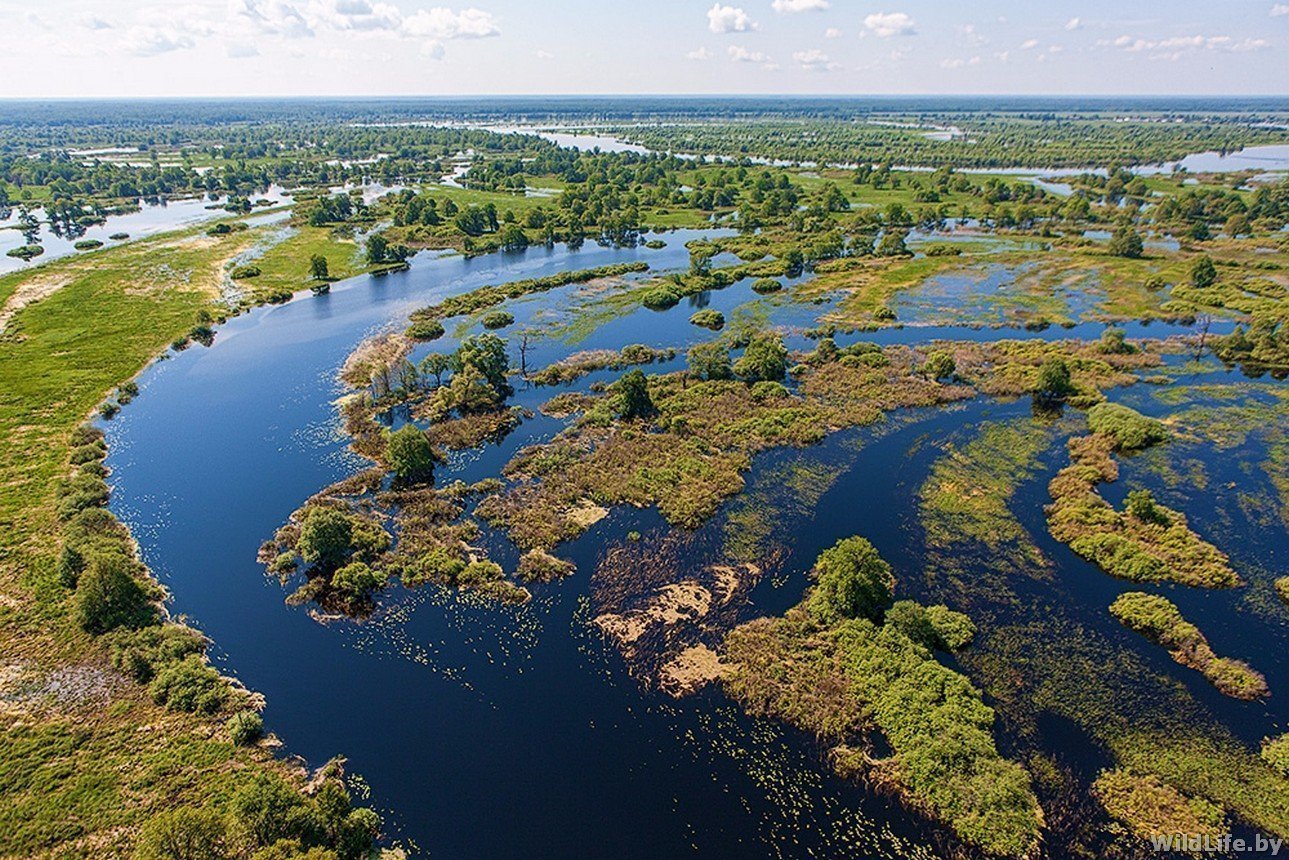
[633, 391]
[892, 245]
[1126, 242]
[764, 358]
[436, 364]
[709, 360]
[1141, 506]
[186, 833]
[377, 249]
[318, 269]
[325, 537]
[109, 596]
[852, 581]
[411, 455]
[486, 353]
[1203, 272]
[1053, 381]
[267, 809]
[513, 238]
[358, 580]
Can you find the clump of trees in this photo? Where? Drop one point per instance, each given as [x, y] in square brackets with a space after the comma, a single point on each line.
[851, 581]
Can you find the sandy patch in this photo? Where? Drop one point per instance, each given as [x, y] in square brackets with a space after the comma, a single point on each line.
[29, 292]
[691, 669]
[586, 514]
[729, 579]
[680, 601]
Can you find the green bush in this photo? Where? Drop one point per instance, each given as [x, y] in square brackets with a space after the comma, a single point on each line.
[425, 330]
[410, 455]
[708, 319]
[1053, 382]
[497, 319]
[142, 653]
[325, 537]
[939, 365]
[1141, 505]
[1131, 430]
[765, 286]
[109, 596]
[241, 273]
[186, 833]
[852, 581]
[660, 299]
[764, 358]
[245, 727]
[1275, 752]
[357, 580]
[190, 685]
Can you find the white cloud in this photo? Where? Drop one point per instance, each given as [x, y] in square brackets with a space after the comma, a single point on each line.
[790, 6]
[1029, 44]
[972, 35]
[700, 54]
[887, 24]
[240, 50]
[441, 24]
[729, 19]
[1073, 24]
[356, 15]
[272, 17]
[958, 63]
[832, 33]
[1279, 9]
[543, 55]
[93, 22]
[814, 60]
[1174, 47]
[739, 54]
[147, 41]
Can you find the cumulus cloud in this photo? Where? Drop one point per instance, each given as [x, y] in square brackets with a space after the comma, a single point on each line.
[1073, 24]
[740, 54]
[147, 41]
[274, 17]
[1029, 44]
[729, 19]
[699, 54]
[94, 22]
[887, 24]
[814, 60]
[1279, 9]
[832, 33]
[784, 7]
[958, 63]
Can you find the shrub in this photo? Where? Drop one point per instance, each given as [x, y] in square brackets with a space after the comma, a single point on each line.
[241, 273]
[766, 285]
[190, 685]
[539, 566]
[764, 358]
[267, 809]
[245, 727]
[1053, 382]
[410, 455]
[71, 562]
[357, 580]
[1275, 752]
[1126, 242]
[142, 653]
[1203, 273]
[709, 319]
[186, 833]
[852, 581]
[660, 299]
[425, 330]
[1282, 588]
[1130, 429]
[325, 537]
[437, 565]
[497, 319]
[108, 596]
[939, 365]
[1141, 505]
[1114, 342]
[710, 361]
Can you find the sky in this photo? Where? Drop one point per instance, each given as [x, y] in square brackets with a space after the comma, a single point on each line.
[70, 48]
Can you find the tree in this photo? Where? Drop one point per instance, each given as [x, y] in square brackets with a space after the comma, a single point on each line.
[186, 833]
[325, 537]
[892, 245]
[486, 353]
[377, 249]
[513, 238]
[1053, 381]
[764, 358]
[633, 389]
[939, 365]
[1203, 272]
[358, 580]
[1114, 342]
[852, 581]
[109, 596]
[267, 809]
[318, 267]
[1141, 506]
[411, 455]
[436, 364]
[710, 360]
[1126, 242]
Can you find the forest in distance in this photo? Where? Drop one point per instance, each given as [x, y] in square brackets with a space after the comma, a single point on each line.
[796, 476]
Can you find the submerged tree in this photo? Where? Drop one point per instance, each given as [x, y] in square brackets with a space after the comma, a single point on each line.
[410, 455]
[1053, 381]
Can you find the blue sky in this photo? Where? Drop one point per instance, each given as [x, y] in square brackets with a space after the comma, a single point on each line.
[371, 47]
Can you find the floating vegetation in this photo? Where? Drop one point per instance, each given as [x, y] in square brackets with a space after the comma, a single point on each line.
[1151, 807]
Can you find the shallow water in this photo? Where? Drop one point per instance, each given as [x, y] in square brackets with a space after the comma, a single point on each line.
[489, 731]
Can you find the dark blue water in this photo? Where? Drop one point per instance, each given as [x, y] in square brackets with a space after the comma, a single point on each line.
[489, 731]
